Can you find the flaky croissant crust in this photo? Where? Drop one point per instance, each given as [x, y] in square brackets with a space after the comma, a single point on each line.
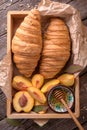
[56, 50]
[27, 43]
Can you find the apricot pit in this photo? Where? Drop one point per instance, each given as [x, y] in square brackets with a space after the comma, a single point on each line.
[22, 101]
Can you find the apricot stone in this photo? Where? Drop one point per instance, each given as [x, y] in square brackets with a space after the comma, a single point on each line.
[22, 101]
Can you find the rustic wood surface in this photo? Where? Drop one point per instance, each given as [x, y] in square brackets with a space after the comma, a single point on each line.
[58, 124]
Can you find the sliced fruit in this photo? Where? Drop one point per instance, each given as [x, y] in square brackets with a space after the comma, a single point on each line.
[66, 79]
[22, 101]
[37, 94]
[39, 103]
[49, 85]
[21, 83]
[37, 80]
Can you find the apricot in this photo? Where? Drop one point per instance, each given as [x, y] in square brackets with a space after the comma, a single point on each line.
[37, 94]
[22, 101]
[39, 103]
[21, 83]
[42, 112]
[67, 79]
[36, 103]
[37, 80]
[49, 85]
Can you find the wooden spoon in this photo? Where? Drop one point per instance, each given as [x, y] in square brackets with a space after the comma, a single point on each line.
[59, 95]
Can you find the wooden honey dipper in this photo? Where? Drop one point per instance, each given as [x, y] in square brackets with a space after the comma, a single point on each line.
[59, 95]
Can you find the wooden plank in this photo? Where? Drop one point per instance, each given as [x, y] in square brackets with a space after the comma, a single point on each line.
[16, 5]
[3, 26]
[30, 125]
[3, 1]
[84, 71]
[62, 1]
[52, 124]
[20, 4]
[5, 126]
[85, 126]
[81, 5]
[25, 124]
[60, 125]
[85, 22]
[83, 95]
[3, 45]
[2, 105]
[64, 124]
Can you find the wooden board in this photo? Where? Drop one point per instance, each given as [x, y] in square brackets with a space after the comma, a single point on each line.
[53, 124]
[14, 19]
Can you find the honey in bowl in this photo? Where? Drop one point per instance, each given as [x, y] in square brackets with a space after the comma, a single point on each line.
[56, 105]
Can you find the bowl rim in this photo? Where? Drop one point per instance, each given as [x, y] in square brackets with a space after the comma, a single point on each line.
[50, 92]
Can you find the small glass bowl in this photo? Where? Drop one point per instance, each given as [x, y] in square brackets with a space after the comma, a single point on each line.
[56, 105]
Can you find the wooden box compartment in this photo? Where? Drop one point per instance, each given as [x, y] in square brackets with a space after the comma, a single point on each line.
[14, 18]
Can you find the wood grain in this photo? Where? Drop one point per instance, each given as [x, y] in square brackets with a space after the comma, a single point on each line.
[3, 45]
[2, 105]
[62, 124]
[81, 5]
[85, 22]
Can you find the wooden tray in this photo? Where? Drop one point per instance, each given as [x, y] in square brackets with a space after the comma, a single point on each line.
[14, 19]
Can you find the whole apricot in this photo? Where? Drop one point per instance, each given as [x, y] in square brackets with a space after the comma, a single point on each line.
[67, 79]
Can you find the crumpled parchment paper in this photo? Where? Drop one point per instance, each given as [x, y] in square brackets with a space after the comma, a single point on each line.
[6, 75]
[78, 33]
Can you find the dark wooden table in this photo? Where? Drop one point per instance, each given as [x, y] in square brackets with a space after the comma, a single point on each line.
[58, 124]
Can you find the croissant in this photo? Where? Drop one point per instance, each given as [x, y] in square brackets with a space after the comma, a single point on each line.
[27, 43]
[56, 50]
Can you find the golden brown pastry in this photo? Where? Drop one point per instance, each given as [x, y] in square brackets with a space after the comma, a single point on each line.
[27, 43]
[56, 50]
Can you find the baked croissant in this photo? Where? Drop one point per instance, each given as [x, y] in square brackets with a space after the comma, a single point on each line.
[56, 50]
[27, 43]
